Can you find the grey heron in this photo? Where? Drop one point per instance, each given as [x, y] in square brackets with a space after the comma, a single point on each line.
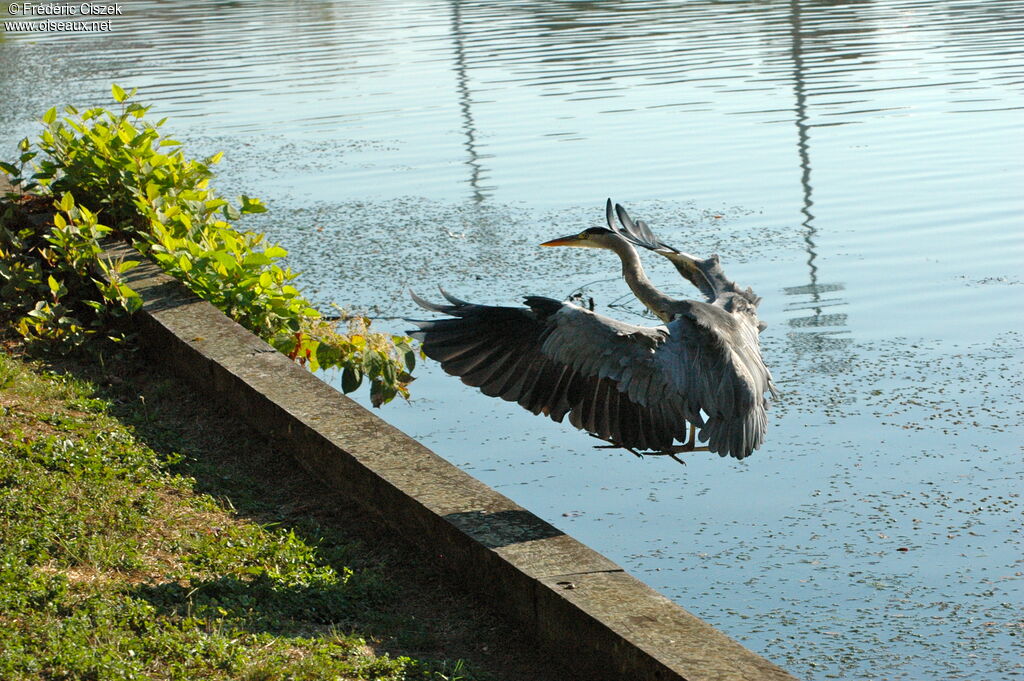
[645, 389]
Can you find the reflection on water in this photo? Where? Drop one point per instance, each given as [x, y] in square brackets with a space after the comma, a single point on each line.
[858, 163]
[465, 105]
[823, 338]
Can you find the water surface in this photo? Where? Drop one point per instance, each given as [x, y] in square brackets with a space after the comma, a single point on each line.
[859, 164]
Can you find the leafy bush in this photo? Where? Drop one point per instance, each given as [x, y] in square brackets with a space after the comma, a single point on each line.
[119, 166]
[47, 277]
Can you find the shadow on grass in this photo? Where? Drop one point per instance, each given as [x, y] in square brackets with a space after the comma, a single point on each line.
[395, 593]
[257, 604]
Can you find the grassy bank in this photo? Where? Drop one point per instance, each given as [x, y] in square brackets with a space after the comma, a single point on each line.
[133, 545]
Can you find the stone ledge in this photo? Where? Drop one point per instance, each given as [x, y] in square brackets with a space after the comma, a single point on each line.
[585, 609]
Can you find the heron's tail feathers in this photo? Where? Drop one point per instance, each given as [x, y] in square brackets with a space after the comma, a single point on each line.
[737, 438]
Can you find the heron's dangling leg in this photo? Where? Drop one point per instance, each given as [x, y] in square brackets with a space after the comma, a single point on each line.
[688, 446]
[691, 442]
[617, 446]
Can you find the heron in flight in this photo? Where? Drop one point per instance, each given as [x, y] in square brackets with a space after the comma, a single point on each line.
[650, 390]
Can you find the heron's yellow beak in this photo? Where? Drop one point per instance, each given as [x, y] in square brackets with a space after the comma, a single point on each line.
[571, 240]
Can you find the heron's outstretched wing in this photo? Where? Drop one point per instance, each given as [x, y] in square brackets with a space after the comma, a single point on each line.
[558, 359]
[631, 385]
[731, 378]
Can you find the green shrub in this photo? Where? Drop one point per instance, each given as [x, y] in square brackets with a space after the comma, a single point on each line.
[47, 282]
[118, 165]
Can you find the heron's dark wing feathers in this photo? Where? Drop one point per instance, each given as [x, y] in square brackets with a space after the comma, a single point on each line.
[558, 359]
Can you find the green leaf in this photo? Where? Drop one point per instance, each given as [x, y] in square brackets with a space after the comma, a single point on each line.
[251, 204]
[50, 116]
[224, 259]
[119, 94]
[377, 396]
[67, 202]
[351, 379]
[255, 258]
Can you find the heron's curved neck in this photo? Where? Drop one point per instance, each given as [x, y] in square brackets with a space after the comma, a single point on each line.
[633, 272]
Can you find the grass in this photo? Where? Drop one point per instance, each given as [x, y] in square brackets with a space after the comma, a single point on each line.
[134, 544]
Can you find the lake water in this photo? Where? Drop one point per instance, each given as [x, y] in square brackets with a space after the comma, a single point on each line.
[859, 164]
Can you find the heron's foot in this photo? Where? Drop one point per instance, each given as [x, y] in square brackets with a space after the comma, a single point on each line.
[615, 446]
[672, 452]
[671, 455]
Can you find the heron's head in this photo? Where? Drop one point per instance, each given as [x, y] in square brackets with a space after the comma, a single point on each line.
[594, 237]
